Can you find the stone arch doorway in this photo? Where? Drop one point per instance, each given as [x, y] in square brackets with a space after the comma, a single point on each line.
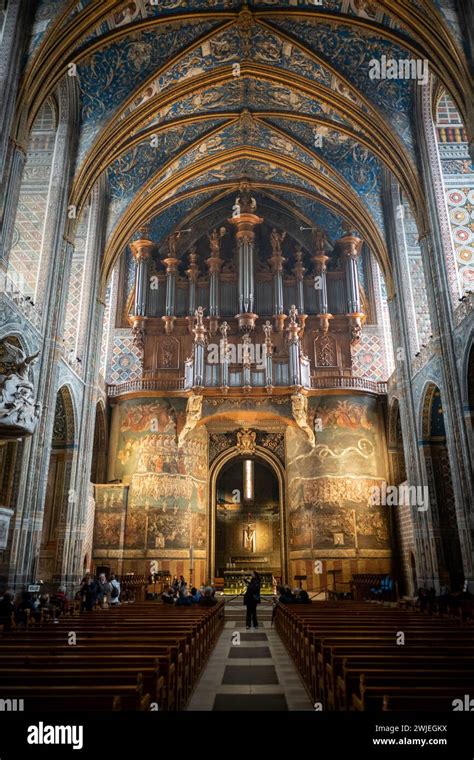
[251, 528]
[442, 502]
[60, 500]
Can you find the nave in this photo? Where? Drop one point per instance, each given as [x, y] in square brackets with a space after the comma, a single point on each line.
[249, 670]
[326, 656]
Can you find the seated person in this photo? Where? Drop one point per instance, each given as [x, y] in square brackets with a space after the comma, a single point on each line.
[184, 599]
[286, 595]
[195, 595]
[167, 596]
[302, 597]
[207, 600]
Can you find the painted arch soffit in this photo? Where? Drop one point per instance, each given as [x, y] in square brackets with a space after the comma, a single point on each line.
[265, 170]
[108, 71]
[267, 95]
[341, 24]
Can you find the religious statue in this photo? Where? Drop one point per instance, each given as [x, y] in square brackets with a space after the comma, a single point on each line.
[246, 441]
[356, 332]
[193, 415]
[215, 241]
[276, 239]
[250, 535]
[268, 329]
[247, 347]
[299, 408]
[19, 413]
[224, 329]
[245, 203]
[321, 242]
[199, 317]
[172, 242]
[293, 314]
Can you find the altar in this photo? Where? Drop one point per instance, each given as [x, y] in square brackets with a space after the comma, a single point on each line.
[235, 582]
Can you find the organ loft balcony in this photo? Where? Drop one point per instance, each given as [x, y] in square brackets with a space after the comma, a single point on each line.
[246, 307]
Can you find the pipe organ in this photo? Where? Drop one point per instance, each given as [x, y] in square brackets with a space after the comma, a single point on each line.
[266, 315]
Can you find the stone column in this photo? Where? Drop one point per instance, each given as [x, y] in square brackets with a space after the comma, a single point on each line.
[92, 322]
[10, 196]
[12, 155]
[30, 506]
[442, 285]
[427, 567]
[351, 246]
[141, 247]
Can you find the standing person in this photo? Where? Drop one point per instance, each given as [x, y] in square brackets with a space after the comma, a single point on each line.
[88, 593]
[251, 599]
[114, 591]
[6, 612]
[102, 588]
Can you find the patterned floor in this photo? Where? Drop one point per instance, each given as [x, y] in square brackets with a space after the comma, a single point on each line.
[249, 670]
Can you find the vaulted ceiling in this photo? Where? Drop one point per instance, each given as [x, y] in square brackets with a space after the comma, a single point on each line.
[180, 99]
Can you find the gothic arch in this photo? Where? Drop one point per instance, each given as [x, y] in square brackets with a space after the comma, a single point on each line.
[442, 506]
[214, 471]
[60, 499]
[395, 444]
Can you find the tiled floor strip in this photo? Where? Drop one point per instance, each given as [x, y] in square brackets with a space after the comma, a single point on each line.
[249, 670]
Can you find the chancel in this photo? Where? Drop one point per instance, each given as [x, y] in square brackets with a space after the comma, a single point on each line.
[236, 353]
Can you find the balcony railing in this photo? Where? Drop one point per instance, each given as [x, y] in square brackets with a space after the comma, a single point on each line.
[351, 383]
[326, 382]
[147, 384]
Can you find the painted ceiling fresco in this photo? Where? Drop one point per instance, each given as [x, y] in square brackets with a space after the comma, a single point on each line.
[183, 98]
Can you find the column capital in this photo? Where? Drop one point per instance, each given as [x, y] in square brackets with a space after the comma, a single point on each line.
[320, 260]
[276, 262]
[141, 248]
[214, 263]
[350, 246]
[244, 224]
[171, 265]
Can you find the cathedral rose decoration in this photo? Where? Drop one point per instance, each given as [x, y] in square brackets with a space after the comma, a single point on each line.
[19, 413]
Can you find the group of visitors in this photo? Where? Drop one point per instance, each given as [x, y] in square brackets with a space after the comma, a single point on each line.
[178, 593]
[287, 596]
[27, 605]
[97, 591]
[447, 600]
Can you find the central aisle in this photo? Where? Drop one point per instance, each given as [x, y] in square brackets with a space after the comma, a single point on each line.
[249, 670]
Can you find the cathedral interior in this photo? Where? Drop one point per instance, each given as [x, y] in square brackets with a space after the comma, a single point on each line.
[237, 267]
